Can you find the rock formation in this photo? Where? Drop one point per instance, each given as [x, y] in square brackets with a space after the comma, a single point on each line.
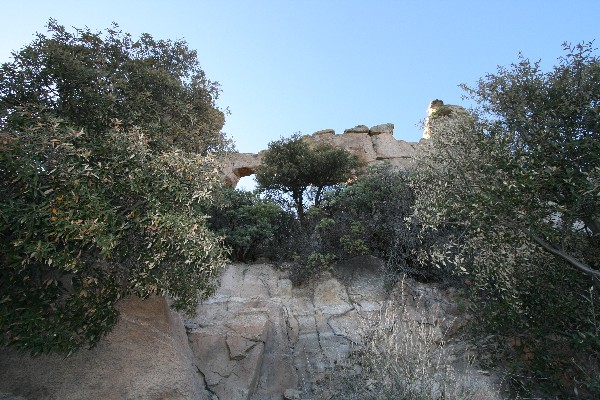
[145, 357]
[438, 114]
[259, 338]
[370, 145]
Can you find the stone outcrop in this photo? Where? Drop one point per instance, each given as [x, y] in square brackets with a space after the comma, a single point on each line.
[259, 338]
[235, 166]
[439, 114]
[370, 145]
[145, 357]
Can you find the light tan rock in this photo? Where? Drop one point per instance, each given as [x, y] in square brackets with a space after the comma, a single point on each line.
[238, 346]
[383, 128]
[146, 357]
[260, 339]
[325, 132]
[305, 331]
[357, 129]
[371, 145]
[235, 166]
[438, 114]
[330, 297]
[228, 377]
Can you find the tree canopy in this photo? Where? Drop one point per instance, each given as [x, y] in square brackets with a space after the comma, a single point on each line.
[106, 153]
[293, 168]
[516, 187]
[520, 179]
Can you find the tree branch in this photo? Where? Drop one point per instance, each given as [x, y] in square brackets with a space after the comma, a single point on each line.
[571, 260]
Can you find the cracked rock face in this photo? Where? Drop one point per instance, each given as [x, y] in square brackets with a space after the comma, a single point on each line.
[259, 338]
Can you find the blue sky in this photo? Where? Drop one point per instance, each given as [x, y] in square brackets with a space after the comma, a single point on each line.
[301, 66]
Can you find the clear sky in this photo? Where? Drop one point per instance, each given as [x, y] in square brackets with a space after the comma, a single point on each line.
[304, 65]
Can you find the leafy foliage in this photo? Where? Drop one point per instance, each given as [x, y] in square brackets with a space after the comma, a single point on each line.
[519, 182]
[105, 159]
[373, 216]
[369, 216]
[293, 172]
[91, 79]
[249, 224]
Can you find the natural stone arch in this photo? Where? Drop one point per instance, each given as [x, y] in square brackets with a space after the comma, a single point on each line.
[371, 145]
[244, 171]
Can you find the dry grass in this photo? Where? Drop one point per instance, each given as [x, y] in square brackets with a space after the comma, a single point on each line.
[403, 357]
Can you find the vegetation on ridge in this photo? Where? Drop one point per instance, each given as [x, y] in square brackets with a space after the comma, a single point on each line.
[519, 183]
[296, 175]
[106, 154]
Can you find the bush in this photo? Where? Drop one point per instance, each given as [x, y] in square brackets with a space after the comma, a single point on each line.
[373, 216]
[401, 358]
[370, 216]
[105, 158]
[295, 173]
[249, 224]
[518, 180]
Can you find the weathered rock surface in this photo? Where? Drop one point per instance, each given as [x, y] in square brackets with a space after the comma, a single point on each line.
[261, 338]
[371, 145]
[439, 114]
[146, 357]
[235, 166]
[257, 338]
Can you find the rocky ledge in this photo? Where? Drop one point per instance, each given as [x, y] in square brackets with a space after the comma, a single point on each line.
[256, 338]
[261, 338]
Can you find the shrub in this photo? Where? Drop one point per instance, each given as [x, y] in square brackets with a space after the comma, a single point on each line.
[249, 224]
[295, 173]
[517, 178]
[402, 358]
[105, 157]
[373, 216]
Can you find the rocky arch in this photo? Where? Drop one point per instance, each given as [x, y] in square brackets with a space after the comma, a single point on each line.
[371, 145]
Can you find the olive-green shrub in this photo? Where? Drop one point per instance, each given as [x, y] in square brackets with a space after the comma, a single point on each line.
[106, 149]
[249, 224]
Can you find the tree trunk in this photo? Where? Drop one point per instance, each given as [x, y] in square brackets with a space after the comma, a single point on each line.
[299, 205]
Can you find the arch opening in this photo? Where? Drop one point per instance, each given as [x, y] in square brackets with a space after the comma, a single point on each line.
[247, 183]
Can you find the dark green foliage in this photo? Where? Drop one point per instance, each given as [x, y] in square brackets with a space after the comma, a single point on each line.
[101, 183]
[295, 174]
[377, 205]
[519, 183]
[370, 216]
[91, 79]
[373, 216]
[249, 224]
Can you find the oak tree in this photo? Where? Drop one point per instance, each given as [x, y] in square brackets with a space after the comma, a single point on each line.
[296, 173]
[107, 149]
